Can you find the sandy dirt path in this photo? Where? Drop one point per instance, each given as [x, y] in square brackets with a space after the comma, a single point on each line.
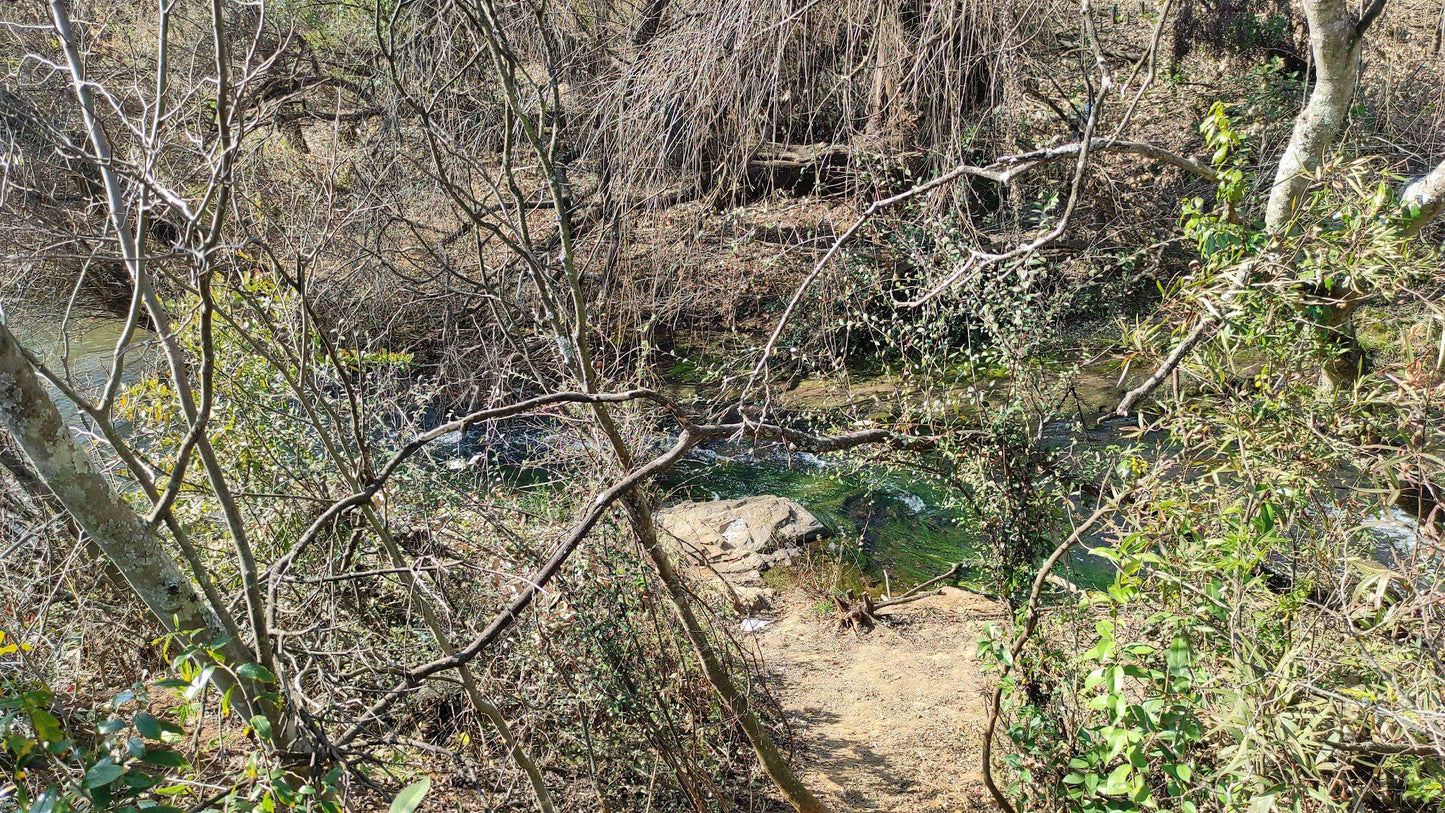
[888, 720]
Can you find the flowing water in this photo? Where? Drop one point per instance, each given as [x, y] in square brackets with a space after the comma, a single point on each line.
[895, 526]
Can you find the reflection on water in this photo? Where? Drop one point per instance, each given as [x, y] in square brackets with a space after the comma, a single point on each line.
[82, 351]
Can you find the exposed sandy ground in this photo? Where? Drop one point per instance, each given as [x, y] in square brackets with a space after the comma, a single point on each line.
[888, 720]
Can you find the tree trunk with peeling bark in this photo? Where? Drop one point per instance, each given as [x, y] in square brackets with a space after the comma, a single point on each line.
[67, 471]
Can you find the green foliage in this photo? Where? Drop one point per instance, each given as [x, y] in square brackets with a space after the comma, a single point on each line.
[136, 751]
[113, 759]
[1229, 158]
[1289, 295]
[1254, 651]
[886, 304]
[1008, 481]
[1204, 687]
[410, 797]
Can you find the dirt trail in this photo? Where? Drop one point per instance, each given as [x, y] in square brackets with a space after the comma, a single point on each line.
[888, 720]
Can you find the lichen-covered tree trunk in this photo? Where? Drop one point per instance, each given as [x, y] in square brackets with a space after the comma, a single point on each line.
[1427, 196]
[32, 419]
[13, 461]
[1335, 43]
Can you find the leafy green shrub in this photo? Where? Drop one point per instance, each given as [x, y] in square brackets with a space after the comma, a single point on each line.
[121, 757]
[1256, 650]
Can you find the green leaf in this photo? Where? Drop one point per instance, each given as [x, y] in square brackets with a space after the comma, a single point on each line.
[135, 746]
[165, 759]
[140, 781]
[46, 801]
[1117, 739]
[19, 746]
[1181, 771]
[148, 726]
[262, 727]
[103, 773]
[255, 672]
[410, 797]
[1178, 658]
[1118, 782]
[47, 728]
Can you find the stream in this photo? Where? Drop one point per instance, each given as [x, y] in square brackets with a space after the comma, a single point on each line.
[891, 525]
[82, 351]
[896, 527]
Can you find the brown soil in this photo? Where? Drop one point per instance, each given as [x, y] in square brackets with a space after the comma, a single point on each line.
[891, 719]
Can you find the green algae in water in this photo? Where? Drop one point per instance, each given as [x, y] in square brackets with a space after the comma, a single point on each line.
[891, 523]
[894, 526]
[884, 520]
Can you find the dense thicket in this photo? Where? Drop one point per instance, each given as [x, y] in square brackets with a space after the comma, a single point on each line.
[411, 303]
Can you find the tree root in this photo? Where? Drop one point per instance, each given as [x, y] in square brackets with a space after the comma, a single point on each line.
[857, 615]
[861, 614]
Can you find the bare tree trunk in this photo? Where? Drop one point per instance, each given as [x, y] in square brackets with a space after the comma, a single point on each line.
[884, 98]
[1335, 37]
[1427, 195]
[777, 769]
[130, 251]
[67, 471]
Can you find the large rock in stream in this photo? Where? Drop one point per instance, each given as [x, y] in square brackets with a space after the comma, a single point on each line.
[736, 541]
